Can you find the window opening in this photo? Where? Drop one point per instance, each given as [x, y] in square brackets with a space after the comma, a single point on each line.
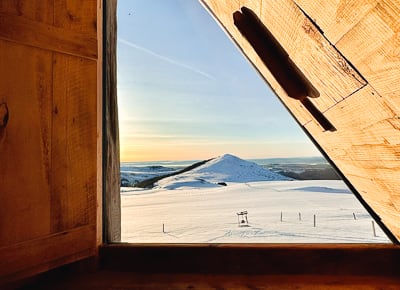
[208, 154]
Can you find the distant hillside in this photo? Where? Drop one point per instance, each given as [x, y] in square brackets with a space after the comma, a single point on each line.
[220, 171]
[149, 183]
[312, 174]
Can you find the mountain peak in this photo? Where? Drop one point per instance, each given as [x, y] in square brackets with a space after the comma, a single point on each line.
[225, 168]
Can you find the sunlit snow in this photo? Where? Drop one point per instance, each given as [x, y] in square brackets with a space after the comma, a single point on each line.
[193, 208]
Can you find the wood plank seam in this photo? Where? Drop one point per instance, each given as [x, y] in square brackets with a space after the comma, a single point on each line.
[337, 17]
[22, 256]
[365, 148]
[344, 98]
[363, 80]
[24, 31]
[341, 101]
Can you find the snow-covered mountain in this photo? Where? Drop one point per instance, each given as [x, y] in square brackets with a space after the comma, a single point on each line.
[220, 171]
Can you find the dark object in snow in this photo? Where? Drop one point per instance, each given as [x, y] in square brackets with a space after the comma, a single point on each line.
[242, 219]
[222, 183]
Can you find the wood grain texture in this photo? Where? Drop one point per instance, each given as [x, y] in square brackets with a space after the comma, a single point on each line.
[111, 147]
[25, 148]
[33, 33]
[365, 147]
[80, 16]
[368, 153]
[74, 147]
[42, 254]
[373, 46]
[233, 266]
[49, 143]
[305, 45]
[36, 10]
[99, 132]
[253, 259]
[334, 17]
[311, 52]
[107, 280]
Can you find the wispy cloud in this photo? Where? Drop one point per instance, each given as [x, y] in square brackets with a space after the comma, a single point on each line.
[164, 58]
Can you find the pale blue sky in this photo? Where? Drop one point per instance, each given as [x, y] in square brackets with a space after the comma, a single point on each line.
[186, 92]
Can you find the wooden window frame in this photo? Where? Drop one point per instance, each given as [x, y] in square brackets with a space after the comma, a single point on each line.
[320, 259]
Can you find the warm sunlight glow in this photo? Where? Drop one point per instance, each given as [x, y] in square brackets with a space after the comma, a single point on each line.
[185, 92]
[209, 154]
[197, 150]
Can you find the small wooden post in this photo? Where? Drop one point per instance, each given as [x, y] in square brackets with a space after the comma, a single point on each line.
[281, 216]
[163, 228]
[299, 216]
[354, 216]
[315, 221]
[373, 228]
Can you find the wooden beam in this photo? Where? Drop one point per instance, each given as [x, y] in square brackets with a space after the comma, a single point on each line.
[111, 185]
[304, 44]
[365, 149]
[38, 255]
[246, 259]
[27, 32]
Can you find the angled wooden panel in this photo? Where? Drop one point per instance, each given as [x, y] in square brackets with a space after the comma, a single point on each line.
[304, 44]
[364, 108]
[74, 142]
[373, 46]
[366, 149]
[25, 142]
[311, 52]
[335, 18]
[222, 9]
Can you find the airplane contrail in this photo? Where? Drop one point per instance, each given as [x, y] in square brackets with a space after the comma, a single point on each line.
[167, 59]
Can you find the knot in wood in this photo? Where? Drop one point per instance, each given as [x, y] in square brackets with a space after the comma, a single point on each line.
[3, 115]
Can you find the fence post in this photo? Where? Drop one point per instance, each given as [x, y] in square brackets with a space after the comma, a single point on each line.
[315, 221]
[373, 228]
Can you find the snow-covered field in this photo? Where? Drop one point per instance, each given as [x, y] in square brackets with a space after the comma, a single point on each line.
[193, 208]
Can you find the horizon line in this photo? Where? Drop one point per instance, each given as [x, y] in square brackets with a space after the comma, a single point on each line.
[256, 158]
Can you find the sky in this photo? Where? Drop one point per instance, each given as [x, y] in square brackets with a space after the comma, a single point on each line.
[186, 92]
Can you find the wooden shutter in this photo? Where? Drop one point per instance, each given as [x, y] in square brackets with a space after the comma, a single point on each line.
[50, 88]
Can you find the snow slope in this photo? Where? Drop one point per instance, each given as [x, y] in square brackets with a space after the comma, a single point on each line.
[223, 169]
[192, 208]
[209, 214]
